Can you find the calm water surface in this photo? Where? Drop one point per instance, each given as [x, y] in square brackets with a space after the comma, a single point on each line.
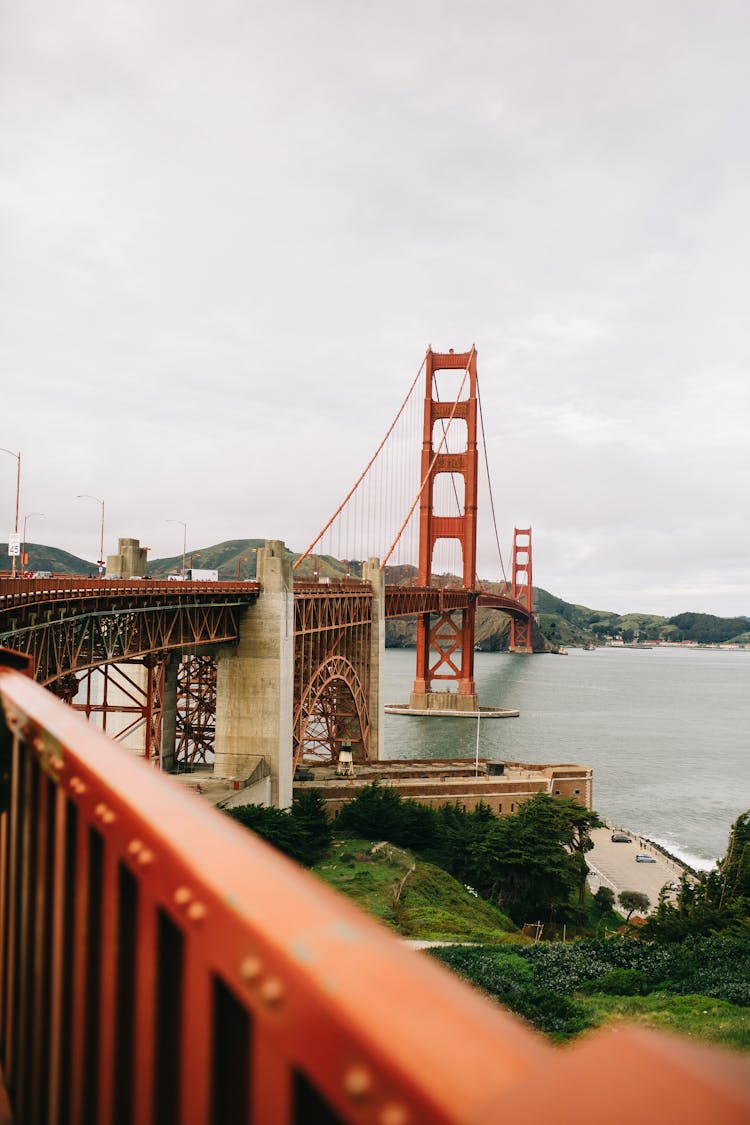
[667, 732]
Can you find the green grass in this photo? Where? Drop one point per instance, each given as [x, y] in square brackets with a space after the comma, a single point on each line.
[700, 1017]
[431, 905]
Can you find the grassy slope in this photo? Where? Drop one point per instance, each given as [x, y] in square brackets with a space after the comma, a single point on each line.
[701, 1017]
[432, 905]
[51, 558]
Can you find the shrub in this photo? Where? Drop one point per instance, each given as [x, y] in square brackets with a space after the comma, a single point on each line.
[618, 982]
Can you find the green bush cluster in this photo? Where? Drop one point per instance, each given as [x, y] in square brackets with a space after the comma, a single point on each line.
[510, 980]
[530, 864]
[540, 982]
[303, 833]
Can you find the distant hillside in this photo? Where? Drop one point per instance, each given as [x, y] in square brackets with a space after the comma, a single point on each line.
[50, 558]
[564, 623]
[225, 557]
[559, 622]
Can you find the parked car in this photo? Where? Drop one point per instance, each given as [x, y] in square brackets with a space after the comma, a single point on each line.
[620, 838]
[643, 858]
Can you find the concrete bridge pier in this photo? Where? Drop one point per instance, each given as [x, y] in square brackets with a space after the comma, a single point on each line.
[376, 577]
[169, 713]
[255, 683]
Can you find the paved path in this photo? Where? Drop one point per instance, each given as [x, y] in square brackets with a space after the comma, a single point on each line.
[615, 866]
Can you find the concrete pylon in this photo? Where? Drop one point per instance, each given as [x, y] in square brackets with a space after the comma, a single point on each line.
[169, 713]
[373, 574]
[255, 682]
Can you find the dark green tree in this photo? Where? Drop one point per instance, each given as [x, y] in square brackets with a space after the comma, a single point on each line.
[632, 901]
[580, 822]
[314, 827]
[527, 858]
[717, 902]
[604, 900]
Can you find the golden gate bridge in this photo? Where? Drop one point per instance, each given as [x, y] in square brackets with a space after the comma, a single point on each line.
[159, 965]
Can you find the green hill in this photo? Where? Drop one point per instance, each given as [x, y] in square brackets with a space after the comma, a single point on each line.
[416, 899]
[51, 558]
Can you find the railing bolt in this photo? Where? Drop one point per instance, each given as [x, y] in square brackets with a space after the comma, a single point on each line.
[196, 912]
[250, 969]
[271, 991]
[393, 1114]
[134, 847]
[57, 763]
[357, 1082]
[145, 857]
[183, 895]
[78, 786]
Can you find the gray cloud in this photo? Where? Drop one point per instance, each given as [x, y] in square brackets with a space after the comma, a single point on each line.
[229, 232]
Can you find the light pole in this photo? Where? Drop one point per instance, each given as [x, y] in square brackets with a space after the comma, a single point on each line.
[86, 496]
[195, 555]
[18, 496]
[240, 560]
[26, 519]
[184, 543]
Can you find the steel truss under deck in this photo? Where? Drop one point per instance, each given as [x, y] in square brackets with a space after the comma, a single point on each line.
[196, 712]
[332, 651]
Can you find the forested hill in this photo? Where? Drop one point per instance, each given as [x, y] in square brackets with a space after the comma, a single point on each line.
[560, 622]
[566, 623]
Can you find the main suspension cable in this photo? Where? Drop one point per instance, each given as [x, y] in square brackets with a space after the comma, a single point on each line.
[362, 476]
[489, 483]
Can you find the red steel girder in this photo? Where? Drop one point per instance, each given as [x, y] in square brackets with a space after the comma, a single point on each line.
[96, 636]
[196, 711]
[332, 651]
[523, 590]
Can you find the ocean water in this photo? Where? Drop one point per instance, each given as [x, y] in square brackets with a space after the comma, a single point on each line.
[667, 732]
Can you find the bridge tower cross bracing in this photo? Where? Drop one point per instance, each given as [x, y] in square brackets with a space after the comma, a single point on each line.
[522, 590]
[445, 647]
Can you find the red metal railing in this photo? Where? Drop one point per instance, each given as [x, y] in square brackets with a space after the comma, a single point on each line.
[28, 591]
[159, 965]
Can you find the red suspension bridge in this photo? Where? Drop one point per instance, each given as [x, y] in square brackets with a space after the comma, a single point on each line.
[158, 965]
[150, 663]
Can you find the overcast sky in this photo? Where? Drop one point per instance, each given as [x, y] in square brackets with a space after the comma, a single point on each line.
[230, 230]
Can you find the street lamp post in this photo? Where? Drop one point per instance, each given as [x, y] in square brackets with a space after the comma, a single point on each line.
[18, 497]
[195, 555]
[240, 560]
[26, 519]
[86, 496]
[184, 543]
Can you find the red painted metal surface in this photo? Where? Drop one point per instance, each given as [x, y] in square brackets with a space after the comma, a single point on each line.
[161, 965]
[332, 648]
[445, 647]
[69, 624]
[196, 712]
[522, 591]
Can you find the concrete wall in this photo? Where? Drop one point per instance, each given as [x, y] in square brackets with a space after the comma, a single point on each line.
[375, 576]
[255, 682]
[130, 560]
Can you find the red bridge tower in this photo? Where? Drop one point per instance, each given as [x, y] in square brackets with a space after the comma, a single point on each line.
[445, 646]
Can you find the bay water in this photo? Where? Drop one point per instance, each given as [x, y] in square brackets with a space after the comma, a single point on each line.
[666, 730]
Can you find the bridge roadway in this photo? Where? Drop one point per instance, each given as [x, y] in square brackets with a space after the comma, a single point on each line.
[21, 594]
[302, 668]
